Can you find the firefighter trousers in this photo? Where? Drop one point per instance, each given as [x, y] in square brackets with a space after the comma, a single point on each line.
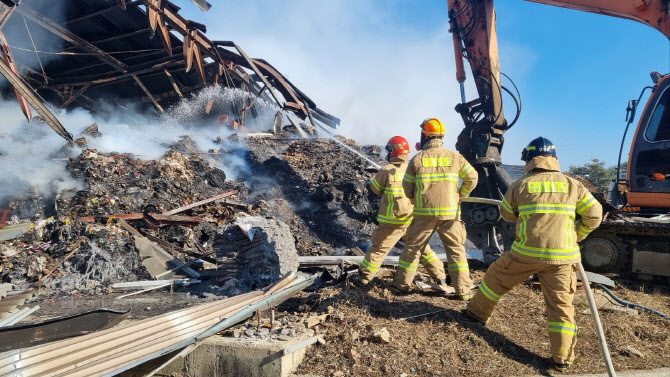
[452, 233]
[558, 282]
[383, 240]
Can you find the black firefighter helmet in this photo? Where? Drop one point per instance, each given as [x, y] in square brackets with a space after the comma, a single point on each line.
[538, 147]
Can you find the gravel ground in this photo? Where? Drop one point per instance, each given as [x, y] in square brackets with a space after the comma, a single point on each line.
[447, 343]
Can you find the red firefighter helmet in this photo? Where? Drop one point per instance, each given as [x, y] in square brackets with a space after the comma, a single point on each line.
[397, 146]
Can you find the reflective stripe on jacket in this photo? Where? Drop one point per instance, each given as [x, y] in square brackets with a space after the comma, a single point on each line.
[395, 209]
[432, 179]
[545, 205]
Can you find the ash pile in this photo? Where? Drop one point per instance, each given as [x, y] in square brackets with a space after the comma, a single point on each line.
[318, 188]
[179, 219]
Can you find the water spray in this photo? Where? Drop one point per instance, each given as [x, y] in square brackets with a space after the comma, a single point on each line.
[334, 138]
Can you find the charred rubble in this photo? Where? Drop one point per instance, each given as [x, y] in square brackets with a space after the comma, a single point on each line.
[295, 197]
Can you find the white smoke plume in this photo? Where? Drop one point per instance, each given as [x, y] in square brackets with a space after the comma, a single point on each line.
[33, 155]
[382, 66]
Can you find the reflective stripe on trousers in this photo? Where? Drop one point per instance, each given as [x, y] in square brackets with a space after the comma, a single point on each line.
[562, 327]
[394, 220]
[407, 265]
[372, 267]
[488, 292]
[458, 267]
[428, 258]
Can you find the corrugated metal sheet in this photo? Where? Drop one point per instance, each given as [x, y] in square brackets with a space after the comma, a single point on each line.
[112, 351]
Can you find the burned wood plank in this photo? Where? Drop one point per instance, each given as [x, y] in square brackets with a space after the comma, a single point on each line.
[169, 246]
[148, 93]
[202, 202]
[156, 260]
[69, 36]
[9, 59]
[29, 94]
[174, 220]
[125, 216]
[181, 25]
[174, 84]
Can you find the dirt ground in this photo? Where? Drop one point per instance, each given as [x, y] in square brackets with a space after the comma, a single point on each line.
[447, 343]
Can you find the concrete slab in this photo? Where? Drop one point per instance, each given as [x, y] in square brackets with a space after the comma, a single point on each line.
[225, 356]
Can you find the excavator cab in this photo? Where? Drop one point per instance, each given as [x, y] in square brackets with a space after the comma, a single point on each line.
[649, 159]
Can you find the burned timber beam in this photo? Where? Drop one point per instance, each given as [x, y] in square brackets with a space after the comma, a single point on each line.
[148, 93]
[9, 59]
[6, 9]
[69, 36]
[174, 83]
[29, 94]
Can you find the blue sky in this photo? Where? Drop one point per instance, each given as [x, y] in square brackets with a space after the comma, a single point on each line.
[383, 66]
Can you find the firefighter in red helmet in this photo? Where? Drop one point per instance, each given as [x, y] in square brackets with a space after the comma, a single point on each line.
[395, 214]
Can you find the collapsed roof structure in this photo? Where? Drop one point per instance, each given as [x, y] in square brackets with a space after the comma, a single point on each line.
[124, 51]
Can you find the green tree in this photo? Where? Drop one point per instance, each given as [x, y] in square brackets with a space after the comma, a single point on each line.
[595, 172]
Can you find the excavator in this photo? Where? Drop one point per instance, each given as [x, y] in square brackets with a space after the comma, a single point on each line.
[634, 237]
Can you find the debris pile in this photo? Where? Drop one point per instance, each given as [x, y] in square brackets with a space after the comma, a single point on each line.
[178, 217]
[283, 327]
[318, 188]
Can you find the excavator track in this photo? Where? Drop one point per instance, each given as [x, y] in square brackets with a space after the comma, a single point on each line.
[627, 246]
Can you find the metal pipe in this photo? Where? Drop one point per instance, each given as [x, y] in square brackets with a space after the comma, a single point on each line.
[470, 199]
[462, 91]
[596, 319]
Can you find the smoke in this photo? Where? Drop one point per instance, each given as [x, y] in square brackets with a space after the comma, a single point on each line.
[32, 155]
[382, 67]
[25, 36]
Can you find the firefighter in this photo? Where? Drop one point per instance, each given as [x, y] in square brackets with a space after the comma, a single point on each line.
[432, 179]
[395, 214]
[552, 213]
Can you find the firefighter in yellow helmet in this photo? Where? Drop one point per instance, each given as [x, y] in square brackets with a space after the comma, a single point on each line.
[432, 180]
[395, 215]
[552, 213]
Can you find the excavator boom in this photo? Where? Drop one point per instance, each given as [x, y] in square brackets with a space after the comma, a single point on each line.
[473, 25]
[653, 13]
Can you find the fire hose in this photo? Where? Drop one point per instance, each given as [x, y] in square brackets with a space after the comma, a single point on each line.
[589, 294]
[628, 303]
